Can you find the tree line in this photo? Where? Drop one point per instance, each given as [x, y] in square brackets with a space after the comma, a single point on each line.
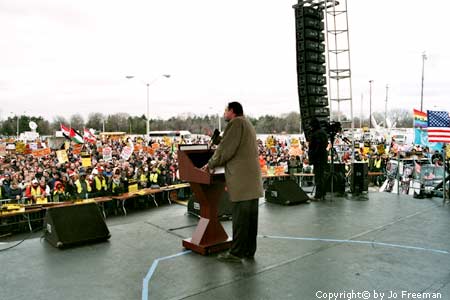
[284, 123]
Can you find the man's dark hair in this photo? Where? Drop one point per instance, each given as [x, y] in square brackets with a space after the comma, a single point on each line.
[236, 107]
[315, 124]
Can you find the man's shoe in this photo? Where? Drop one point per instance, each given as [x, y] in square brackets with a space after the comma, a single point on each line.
[228, 257]
[314, 199]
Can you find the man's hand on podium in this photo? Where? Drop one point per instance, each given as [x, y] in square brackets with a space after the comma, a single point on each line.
[207, 169]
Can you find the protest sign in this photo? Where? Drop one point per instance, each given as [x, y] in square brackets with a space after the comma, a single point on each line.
[107, 153]
[126, 152]
[62, 156]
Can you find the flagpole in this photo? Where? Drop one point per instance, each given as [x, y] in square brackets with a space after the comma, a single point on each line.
[424, 57]
[445, 162]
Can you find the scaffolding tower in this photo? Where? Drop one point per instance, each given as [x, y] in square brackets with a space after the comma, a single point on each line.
[338, 59]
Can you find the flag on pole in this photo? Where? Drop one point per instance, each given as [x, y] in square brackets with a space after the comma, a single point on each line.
[438, 126]
[88, 136]
[75, 136]
[420, 119]
[65, 131]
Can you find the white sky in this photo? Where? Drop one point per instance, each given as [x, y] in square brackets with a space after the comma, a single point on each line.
[58, 57]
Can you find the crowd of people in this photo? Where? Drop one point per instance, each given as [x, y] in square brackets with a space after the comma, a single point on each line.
[34, 179]
[30, 179]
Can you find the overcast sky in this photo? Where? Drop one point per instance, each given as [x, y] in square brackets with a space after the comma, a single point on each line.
[58, 57]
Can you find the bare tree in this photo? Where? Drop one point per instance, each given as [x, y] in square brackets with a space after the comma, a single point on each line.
[77, 122]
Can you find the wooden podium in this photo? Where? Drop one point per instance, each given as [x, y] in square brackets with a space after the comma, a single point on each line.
[209, 235]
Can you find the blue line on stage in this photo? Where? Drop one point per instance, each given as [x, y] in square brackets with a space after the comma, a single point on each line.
[356, 242]
[152, 270]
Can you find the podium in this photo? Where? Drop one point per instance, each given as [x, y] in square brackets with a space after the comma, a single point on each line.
[209, 235]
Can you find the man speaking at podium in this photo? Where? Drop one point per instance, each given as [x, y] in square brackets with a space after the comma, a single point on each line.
[238, 153]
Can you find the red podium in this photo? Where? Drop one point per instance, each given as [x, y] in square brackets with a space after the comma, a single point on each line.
[209, 235]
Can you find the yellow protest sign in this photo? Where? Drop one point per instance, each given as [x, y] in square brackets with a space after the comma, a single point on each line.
[380, 149]
[86, 160]
[270, 142]
[447, 150]
[2, 149]
[167, 141]
[20, 147]
[62, 156]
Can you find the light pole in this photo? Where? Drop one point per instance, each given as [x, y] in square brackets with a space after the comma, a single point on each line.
[385, 107]
[18, 126]
[370, 104]
[424, 57]
[361, 112]
[148, 84]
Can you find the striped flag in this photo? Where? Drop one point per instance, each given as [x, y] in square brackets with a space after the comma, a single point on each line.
[420, 119]
[76, 137]
[65, 131]
[88, 136]
[438, 126]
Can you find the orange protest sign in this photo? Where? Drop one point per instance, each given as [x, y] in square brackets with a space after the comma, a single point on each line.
[279, 170]
[41, 152]
[295, 150]
[77, 149]
[264, 170]
[149, 150]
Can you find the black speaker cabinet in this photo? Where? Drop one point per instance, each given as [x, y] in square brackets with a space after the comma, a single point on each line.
[74, 225]
[285, 192]
[338, 178]
[224, 210]
[360, 177]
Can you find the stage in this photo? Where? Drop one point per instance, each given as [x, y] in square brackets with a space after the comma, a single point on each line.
[378, 242]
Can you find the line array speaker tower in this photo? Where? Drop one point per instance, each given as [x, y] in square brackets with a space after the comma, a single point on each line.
[311, 68]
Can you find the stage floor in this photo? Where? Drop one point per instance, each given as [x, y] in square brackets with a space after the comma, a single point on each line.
[376, 243]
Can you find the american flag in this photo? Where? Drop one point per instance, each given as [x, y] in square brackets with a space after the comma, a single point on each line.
[438, 126]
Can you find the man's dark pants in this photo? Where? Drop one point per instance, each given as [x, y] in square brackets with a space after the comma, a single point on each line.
[319, 178]
[245, 228]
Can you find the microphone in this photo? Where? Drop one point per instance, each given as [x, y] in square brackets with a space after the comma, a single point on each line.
[215, 138]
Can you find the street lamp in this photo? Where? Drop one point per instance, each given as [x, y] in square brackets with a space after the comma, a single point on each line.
[385, 107]
[17, 124]
[148, 84]
[370, 103]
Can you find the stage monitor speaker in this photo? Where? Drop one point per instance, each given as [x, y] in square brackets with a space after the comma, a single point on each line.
[285, 192]
[338, 178]
[73, 225]
[224, 211]
[360, 179]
